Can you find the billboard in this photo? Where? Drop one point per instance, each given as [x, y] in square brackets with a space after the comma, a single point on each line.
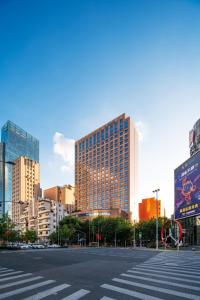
[187, 188]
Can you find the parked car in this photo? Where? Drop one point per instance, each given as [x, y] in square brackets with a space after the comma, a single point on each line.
[53, 246]
[24, 246]
[38, 246]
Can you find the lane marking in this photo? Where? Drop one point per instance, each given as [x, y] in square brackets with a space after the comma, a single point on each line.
[3, 286]
[25, 289]
[15, 277]
[163, 281]
[48, 292]
[157, 289]
[77, 295]
[164, 276]
[129, 292]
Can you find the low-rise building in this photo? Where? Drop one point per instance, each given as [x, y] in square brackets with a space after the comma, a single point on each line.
[43, 216]
[64, 194]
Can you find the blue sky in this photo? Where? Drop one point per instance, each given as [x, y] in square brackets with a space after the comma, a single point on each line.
[69, 66]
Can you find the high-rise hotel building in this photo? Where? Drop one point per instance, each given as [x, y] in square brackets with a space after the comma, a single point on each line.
[106, 168]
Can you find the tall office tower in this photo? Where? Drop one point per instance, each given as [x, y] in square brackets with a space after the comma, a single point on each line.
[106, 168]
[25, 185]
[2, 177]
[17, 142]
[64, 194]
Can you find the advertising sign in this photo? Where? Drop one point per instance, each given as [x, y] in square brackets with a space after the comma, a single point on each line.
[187, 188]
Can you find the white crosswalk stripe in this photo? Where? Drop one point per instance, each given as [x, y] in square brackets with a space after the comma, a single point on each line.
[3, 286]
[165, 276]
[158, 289]
[77, 295]
[15, 277]
[48, 292]
[25, 289]
[7, 270]
[107, 298]
[11, 273]
[124, 291]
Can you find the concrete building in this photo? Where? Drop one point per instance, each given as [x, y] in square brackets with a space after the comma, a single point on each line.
[106, 167]
[15, 142]
[64, 194]
[43, 217]
[25, 185]
[148, 209]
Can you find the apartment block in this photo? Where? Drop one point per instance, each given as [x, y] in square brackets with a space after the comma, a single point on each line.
[25, 185]
[44, 217]
[64, 194]
[148, 209]
[106, 162]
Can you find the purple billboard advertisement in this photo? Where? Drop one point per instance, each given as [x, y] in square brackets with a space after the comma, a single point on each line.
[187, 188]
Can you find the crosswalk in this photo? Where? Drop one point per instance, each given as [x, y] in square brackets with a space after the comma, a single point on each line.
[19, 285]
[168, 275]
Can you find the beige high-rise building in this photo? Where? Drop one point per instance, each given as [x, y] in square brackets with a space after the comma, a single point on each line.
[25, 185]
[106, 168]
[64, 194]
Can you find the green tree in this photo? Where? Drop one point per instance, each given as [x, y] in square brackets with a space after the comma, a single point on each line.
[30, 236]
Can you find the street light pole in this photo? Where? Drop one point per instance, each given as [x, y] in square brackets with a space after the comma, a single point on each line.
[156, 192]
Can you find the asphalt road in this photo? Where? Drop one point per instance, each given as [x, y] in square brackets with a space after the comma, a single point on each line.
[99, 273]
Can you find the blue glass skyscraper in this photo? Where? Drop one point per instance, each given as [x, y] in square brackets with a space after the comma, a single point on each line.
[15, 142]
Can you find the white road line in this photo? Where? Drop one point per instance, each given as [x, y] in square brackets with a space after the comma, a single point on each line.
[15, 277]
[166, 272]
[25, 289]
[8, 270]
[182, 267]
[129, 292]
[48, 292]
[107, 298]
[11, 273]
[77, 295]
[3, 286]
[163, 281]
[3, 269]
[177, 271]
[164, 276]
[158, 289]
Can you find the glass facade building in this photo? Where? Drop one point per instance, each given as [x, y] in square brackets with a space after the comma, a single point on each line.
[15, 142]
[106, 167]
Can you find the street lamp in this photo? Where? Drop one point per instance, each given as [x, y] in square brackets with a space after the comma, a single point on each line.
[156, 192]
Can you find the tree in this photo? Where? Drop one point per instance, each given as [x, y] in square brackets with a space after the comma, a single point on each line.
[7, 230]
[30, 236]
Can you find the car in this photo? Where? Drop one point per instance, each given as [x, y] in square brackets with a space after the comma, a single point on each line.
[38, 246]
[53, 246]
[24, 246]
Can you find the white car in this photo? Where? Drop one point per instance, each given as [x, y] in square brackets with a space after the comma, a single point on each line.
[24, 246]
[38, 246]
[54, 246]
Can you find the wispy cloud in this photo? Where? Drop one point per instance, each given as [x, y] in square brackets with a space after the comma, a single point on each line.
[64, 148]
[141, 130]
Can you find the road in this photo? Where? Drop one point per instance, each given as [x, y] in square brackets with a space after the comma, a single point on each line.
[99, 273]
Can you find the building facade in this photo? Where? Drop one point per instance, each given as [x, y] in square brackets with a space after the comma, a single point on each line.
[43, 216]
[16, 143]
[25, 185]
[64, 194]
[149, 208]
[106, 167]
[187, 190]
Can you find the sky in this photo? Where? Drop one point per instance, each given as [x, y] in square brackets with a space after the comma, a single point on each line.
[67, 67]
